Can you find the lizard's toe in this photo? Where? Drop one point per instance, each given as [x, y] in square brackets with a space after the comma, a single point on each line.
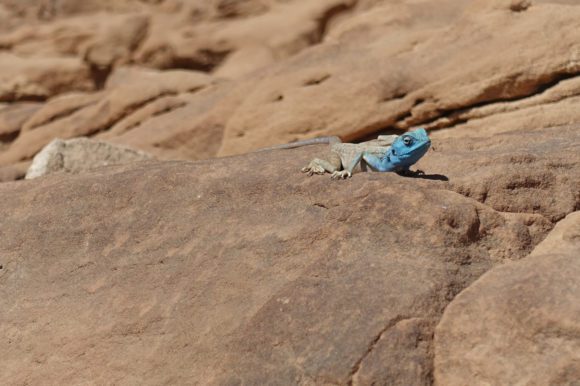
[340, 175]
[313, 169]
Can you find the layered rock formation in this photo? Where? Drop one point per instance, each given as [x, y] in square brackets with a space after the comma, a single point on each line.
[283, 71]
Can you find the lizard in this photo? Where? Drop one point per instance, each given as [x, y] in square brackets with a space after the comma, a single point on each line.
[388, 153]
[404, 151]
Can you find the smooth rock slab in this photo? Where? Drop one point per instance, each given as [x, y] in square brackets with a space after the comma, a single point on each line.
[519, 324]
[235, 270]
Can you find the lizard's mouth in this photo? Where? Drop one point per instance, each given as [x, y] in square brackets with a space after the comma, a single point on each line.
[424, 146]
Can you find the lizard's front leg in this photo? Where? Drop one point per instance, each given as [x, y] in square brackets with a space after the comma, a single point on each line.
[381, 164]
[348, 169]
[321, 166]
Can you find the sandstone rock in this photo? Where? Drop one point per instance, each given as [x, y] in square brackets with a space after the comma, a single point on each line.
[236, 8]
[191, 131]
[535, 171]
[113, 106]
[519, 323]
[525, 171]
[14, 172]
[563, 239]
[73, 7]
[59, 107]
[12, 118]
[286, 29]
[116, 46]
[131, 75]
[426, 65]
[371, 66]
[193, 34]
[80, 155]
[102, 39]
[157, 107]
[5, 18]
[34, 78]
[553, 107]
[245, 61]
[63, 37]
[234, 270]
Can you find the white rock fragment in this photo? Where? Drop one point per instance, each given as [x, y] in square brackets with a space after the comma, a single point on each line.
[79, 155]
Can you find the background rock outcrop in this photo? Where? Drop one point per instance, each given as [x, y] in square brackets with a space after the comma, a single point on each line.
[291, 70]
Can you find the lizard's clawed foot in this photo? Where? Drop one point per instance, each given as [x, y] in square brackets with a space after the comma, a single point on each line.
[341, 175]
[312, 169]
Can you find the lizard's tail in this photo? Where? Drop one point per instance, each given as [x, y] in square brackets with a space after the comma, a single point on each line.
[306, 142]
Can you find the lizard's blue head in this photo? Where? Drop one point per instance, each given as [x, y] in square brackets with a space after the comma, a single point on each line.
[408, 148]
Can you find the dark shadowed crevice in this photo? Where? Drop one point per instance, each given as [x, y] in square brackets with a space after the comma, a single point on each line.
[325, 20]
[398, 94]
[9, 137]
[520, 5]
[205, 60]
[230, 9]
[316, 80]
[100, 76]
[12, 98]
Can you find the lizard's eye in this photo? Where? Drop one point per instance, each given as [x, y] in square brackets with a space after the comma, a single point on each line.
[407, 140]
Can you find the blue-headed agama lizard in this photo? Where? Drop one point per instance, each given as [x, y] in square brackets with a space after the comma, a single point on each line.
[388, 153]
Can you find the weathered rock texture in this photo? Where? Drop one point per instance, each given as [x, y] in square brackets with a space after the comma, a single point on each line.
[531, 171]
[241, 269]
[123, 104]
[519, 323]
[39, 79]
[298, 69]
[80, 155]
